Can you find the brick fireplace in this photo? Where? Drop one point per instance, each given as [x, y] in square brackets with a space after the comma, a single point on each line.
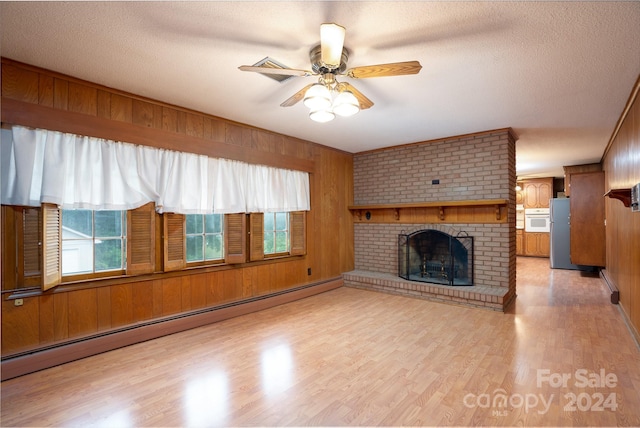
[460, 186]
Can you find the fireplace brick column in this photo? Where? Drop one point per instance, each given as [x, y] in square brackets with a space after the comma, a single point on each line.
[472, 167]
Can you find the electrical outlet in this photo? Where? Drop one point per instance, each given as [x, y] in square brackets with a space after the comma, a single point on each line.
[18, 302]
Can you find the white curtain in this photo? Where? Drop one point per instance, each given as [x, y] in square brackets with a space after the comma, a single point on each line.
[84, 172]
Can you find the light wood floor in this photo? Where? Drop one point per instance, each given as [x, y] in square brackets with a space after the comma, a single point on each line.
[354, 357]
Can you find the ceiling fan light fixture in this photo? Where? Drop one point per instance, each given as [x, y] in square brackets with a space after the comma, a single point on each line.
[322, 115]
[346, 104]
[332, 42]
[317, 97]
[328, 60]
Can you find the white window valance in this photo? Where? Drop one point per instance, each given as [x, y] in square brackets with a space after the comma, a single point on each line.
[71, 171]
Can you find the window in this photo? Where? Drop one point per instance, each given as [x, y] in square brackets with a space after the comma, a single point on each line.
[276, 233]
[93, 241]
[205, 238]
[46, 246]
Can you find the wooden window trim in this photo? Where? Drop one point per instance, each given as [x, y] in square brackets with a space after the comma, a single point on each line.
[275, 256]
[298, 233]
[13, 215]
[30, 229]
[51, 246]
[141, 240]
[256, 237]
[21, 235]
[82, 277]
[205, 263]
[235, 238]
[174, 241]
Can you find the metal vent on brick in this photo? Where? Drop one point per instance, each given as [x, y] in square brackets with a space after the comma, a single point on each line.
[272, 63]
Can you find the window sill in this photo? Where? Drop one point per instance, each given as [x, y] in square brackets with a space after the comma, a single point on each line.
[277, 256]
[205, 264]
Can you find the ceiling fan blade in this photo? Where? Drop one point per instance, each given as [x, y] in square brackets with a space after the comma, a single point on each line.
[365, 102]
[382, 70]
[280, 71]
[297, 97]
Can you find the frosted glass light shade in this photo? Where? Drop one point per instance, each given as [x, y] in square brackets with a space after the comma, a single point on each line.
[346, 104]
[331, 42]
[317, 97]
[322, 116]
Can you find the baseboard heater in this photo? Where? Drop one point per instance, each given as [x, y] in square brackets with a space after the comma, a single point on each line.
[42, 358]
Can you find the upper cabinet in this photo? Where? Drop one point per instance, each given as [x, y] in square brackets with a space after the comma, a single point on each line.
[577, 169]
[537, 192]
[520, 195]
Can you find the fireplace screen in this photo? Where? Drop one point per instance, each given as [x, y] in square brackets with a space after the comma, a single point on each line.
[436, 257]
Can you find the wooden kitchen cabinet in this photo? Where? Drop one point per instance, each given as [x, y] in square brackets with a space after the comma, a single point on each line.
[537, 192]
[586, 220]
[577, 169]
[536, 244]
[519, 242]
[520, 196]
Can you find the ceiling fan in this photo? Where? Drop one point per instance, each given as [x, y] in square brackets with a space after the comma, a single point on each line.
[328, 60]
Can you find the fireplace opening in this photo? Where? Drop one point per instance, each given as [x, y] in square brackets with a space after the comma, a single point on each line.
[436, 257]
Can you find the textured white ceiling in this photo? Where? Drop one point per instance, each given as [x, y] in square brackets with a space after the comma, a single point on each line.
[558, 73]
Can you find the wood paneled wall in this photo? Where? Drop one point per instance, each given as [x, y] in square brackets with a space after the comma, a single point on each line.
[621, 164]
[41, 98]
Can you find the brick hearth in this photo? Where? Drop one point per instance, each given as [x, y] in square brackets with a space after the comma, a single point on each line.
[480, 296]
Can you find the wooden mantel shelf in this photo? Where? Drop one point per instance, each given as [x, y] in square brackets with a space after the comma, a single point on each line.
[623, 195]
[441, 206]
